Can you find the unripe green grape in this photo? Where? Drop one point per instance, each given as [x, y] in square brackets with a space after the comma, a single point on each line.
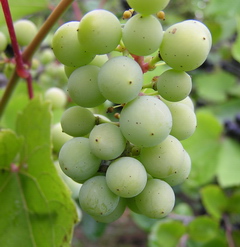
[56, 96]
[126, 177]
[77, 121]
[116, 214]
[96, 198]
[131, 204]
[163, 160]
[46, 56]
[77, 161]
[106, 141]
[83, 86]
[58, 137]
[145, 121]
[142, 35]
[99, 31]
[186, 45]
[25, 31]
[3, 42]
[156, 200]
[174, 85]
[182, 174]
[99, 60]
[148, 7]
[120, 79]
[184, 120]
[68, 70]
[66, 47]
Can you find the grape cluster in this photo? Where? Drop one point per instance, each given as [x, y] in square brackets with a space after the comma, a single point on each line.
[135, 160]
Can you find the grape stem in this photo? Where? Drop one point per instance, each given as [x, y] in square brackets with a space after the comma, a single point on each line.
[32, 47]
[21, 65]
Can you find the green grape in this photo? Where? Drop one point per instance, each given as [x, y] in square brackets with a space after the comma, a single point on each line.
[25, 31]
[148, 7]
[120, 79]
[182, 174]
[131, 204]
[58, 137]
[99, 31]
[3, 42]
[126, 177]
[68, 70]
[77, 161]
[46, 56]
[106, 141]
[174, 85]
[83, 86]
[188, 102]
[99, 60]
[145, 121]
[96, 198]
[66, 47]
[116, 214]
[77, 121]
[156, 200]
[184, 120]
[186, 45]
[163, 160]
[56, 96]
[142, 35]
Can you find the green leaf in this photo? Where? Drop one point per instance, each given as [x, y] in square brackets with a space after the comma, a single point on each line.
[234, 203]
[214, 200]
[203, 148]
[228, 172]
[203, 229]
[21, 8]
[214, 87]
[236, 45]
[36, 206]
[10, 145]
[166, 233]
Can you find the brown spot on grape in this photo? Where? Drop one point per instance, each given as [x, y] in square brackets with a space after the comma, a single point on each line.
[130, 82]
[152, 134]
[204, 38]
[96, 140]
[174, 30]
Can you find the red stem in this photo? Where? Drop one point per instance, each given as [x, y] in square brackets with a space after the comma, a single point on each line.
[140, 60]
[21, 70]
[76, 10]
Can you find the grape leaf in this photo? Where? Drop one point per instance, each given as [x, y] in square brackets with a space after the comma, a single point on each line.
[203, 148]
[228, 172]
[10, 145]
[168, 231]
[214, 200]
[36, 206]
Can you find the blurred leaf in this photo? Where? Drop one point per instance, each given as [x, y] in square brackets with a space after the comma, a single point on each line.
[236, 45]
[216, 242]
[21, 8]
[214, 87]
[36, 206]
[214, 200]
[166, 233]
[143, 221]
[228, 172]
[10, 145]
[203, 148]
[234, 203]
[203, 229]
[236, 237]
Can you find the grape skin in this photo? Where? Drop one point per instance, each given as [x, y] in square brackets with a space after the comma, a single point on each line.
[163, 160]
[182, 174]
[185, 45]
[77, 161]
[156, 200]
[77, 121]
[3, 42]
[120, 79]
[126, 177]
[106, 141]
[142, 35]
[66, 47]
[96, 198]
[148, 7]
[99, 31]
[145, 121]
[83, 86]
[174, 85]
